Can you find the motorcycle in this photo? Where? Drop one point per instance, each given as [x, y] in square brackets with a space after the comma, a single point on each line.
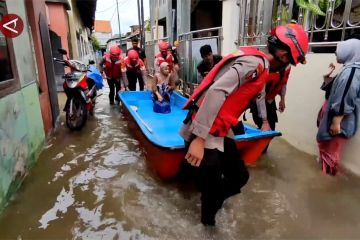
[80, 86]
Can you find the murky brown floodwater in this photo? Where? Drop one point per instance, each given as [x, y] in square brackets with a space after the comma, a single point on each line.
[94, 184]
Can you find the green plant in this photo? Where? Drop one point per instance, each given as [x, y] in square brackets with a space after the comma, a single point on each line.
[317, 9]
[147, 26]
[95, 43]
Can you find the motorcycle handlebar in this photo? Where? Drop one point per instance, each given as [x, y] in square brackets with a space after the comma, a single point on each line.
[68, 64]
[59, 61]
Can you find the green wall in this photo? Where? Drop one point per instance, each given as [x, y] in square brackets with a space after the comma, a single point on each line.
[21, 126]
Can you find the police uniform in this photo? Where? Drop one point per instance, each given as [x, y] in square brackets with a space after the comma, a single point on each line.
[221, 173]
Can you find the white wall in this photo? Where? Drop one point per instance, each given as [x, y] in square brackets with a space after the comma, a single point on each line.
[230, 22]
[102, 37]
[303, 101]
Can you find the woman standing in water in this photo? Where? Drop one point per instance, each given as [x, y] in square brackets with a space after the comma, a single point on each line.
[340, 113]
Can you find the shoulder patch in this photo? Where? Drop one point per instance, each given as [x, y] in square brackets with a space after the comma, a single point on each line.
[257, 72]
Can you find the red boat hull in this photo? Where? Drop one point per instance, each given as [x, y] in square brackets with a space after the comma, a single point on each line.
[166, 162]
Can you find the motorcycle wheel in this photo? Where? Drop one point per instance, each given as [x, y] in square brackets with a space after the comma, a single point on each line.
[77, 120]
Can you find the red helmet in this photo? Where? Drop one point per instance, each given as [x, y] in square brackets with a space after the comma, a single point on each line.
[115, 51]
[294, 37]
[163, 46]
[133, 54]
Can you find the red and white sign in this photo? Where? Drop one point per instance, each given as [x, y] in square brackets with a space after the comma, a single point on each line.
[11, 25]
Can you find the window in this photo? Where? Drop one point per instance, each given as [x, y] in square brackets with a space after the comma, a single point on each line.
[6, 72]
[8, 75]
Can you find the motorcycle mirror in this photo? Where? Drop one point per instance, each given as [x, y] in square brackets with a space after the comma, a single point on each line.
[62, 51]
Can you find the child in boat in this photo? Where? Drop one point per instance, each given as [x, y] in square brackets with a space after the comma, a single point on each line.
[340, 113]
[162, 87]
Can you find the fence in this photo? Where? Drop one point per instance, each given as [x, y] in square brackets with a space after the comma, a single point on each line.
[326, 21]
[189, 55]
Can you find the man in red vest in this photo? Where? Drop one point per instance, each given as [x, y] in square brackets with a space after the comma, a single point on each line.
[115, 70]
[164, 56]
[215, 107]
[135, 70]
[264, 109]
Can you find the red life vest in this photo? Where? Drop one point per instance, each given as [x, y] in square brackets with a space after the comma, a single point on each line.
[276, 82]
[169, 59]
[113, 69]
[237, 102]
[134, 68]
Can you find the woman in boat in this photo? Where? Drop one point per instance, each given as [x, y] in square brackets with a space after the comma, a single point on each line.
[340, 112]
[215, 107]
[162, 86]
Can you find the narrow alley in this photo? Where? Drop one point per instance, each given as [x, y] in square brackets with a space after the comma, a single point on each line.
[95, 184]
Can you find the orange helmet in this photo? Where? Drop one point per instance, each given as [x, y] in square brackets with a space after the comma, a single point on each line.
[115, 51]
[163, 46]
[133, 54]
[294, 38]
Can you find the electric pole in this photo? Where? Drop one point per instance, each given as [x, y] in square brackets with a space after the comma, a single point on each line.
[117, 9]
[139, 19]
[142, 24]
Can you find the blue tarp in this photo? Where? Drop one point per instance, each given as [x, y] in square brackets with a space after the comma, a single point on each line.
[95, 75]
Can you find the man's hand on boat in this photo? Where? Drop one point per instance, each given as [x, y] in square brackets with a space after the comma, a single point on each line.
[265, 126]
[195, 154]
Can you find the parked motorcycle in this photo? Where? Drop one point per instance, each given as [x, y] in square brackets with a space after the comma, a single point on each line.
[80, 86]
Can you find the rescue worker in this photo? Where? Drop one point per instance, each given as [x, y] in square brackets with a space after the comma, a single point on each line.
[215, 107]
[115, 72]
[175, 52]
[264, 109]
[135, 70]
[140, 51]
[208, 62]
[164, 56]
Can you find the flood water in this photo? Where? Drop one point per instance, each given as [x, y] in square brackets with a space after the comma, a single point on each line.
[95, 184]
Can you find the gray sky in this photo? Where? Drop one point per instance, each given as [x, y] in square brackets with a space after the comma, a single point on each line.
[106, 10]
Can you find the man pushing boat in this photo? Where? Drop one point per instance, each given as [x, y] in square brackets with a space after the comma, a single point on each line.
[216, 105]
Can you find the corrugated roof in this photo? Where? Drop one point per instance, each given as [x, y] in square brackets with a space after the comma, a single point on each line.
[103, 26]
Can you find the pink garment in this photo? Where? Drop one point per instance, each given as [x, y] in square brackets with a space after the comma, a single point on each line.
[330, 153]
[330, 150]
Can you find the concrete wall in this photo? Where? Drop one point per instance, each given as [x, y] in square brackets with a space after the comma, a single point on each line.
[59, 22]
[81, 50]
[102, 37]
[34, 8]
[303, 101]
[21, 125]
[163, 9]
[230, 22]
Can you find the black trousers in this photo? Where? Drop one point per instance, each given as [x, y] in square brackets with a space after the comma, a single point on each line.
[219, 176]
[113, 84]
[271, 114]
[133, 77]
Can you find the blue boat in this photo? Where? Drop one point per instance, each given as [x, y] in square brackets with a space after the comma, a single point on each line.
[164, 148]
